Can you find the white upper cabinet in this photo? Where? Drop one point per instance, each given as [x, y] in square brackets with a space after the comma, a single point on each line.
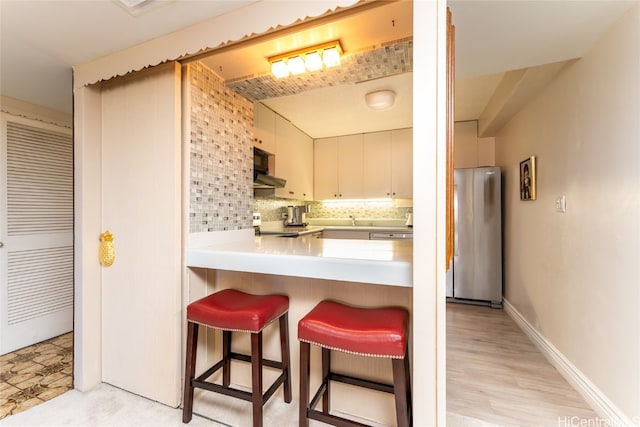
[371, 165]
[377, 165]
[388, 164]
[402, 163]
[350, 166]
[264, 128]
[325, 168]
[338, 167]
[293, 161]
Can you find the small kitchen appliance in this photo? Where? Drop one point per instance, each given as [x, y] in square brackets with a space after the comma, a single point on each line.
[296, 215]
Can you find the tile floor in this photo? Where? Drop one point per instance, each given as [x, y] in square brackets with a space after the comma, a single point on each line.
[35, 374]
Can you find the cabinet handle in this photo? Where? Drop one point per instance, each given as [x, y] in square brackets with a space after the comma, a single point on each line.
[1, 245]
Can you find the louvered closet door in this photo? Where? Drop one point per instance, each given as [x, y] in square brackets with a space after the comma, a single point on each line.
[36, 231]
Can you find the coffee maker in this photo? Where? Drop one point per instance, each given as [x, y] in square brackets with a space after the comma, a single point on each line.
[296, 215]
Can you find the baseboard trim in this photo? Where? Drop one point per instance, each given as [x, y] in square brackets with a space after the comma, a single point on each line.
[583, 385]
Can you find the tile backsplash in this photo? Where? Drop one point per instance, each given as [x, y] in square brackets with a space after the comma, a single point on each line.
[271, 209]
[221, 154]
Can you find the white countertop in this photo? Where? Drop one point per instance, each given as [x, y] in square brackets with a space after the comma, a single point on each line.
[278, 228]
[385, 262]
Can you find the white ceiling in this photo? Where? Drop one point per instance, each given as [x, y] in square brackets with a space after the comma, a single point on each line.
[40, 41]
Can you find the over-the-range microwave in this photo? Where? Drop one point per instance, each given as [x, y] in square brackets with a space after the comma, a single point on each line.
[261, 176]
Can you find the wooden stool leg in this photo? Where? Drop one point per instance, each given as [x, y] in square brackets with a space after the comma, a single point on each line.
[256, 378]
[407, 375]
[286, 358]
[226, 350]
[400, 391]
[189, 371]
[326, 369]
[305, 349]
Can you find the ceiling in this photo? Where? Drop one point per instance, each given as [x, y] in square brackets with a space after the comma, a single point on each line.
[493, 38]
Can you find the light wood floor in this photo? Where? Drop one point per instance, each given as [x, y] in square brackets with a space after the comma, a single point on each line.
[497, 375]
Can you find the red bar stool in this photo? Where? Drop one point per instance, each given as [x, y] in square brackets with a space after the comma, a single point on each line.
[374, 332]
[234, 311]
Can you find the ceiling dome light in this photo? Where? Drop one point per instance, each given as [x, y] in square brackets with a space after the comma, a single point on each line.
[380, 99]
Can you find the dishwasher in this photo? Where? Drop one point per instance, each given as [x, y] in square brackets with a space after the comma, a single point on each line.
[390, 236]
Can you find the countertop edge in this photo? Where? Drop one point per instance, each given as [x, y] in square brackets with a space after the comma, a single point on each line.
[227, 257]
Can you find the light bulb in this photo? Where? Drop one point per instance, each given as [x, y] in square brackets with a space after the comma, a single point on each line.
[279, 69]
[313, 61]
[331, 57]
[296, 65]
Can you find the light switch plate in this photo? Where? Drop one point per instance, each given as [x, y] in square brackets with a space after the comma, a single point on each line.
[561, 204]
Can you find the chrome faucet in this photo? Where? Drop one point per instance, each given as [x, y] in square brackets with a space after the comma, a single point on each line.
[353, 220]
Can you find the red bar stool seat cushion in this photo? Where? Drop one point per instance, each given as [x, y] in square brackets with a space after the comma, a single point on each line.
[234, 310]
[379, 332]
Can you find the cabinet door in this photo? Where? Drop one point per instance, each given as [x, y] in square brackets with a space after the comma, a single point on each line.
[350, 161]
[325, 168]
[377, 164]
[402, 163]
[305, 164]
[264, 128]
[294, 161]
[285, 152]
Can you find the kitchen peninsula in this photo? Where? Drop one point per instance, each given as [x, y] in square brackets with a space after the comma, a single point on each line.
[308, 269]
[384, 262]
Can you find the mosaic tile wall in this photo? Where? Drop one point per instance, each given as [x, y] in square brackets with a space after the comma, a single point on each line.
[271, 209]
[381, 61]
[221, 155]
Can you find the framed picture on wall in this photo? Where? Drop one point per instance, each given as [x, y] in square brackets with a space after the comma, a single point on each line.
[528, 179]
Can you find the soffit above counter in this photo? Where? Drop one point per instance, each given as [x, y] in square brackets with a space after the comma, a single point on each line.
[265, 17]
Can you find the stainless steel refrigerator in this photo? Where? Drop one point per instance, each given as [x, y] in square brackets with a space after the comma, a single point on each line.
[477, 259]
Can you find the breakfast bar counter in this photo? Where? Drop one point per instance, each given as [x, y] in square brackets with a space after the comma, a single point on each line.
[383, 262]
[308, 269]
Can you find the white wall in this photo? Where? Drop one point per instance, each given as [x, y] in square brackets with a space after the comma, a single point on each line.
[471, 151]
[576, 276]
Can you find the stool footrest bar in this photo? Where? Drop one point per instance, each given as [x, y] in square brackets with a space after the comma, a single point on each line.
[332, 419]
[247, 358]
[360, 382]
[237, 393]
[233, 392]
